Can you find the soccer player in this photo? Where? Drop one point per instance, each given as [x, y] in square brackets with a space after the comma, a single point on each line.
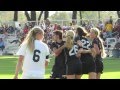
[73, 62]
[87, 53]
[33, 54]
[58, 69]
[100, 51]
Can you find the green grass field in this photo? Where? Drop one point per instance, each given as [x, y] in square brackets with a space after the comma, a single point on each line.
[8, 64]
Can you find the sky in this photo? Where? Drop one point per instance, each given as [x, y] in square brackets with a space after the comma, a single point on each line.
[52, 12]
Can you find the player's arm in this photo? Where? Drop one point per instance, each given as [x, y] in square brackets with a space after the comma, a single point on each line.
[47, 61]
[18, 66]
[93, 52]
[78, 55]
[97, 50]
[79, 43]
[59, 50]
[84, 51]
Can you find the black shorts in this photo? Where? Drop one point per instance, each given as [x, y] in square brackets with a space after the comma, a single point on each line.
[74, 67]
[88, 65]
[99, 66]
[58, 71]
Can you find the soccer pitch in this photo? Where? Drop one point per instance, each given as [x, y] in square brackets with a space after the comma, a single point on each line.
[8, 64]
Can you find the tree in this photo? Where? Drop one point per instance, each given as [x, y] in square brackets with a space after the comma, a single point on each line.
[15, 16]
[80, 17]
[99, 15]
[33, 15]
[27, 16]
[40, 15]
[74, 16]
[46, 15]
[61, 18]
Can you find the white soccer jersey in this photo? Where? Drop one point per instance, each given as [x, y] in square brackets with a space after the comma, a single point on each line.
[34, 62]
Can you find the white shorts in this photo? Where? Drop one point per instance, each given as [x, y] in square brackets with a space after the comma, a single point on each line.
[32, 76]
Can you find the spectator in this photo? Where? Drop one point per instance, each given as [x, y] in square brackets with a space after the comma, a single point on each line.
[25, 30]
[100, 25]
[2, 46]
[1, 30]
[47, 22]
[55, 26]
[59, 27]
[117, 27]
[109, 28]
[111, 20]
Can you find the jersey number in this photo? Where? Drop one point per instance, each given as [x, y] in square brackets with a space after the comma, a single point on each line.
[85, 44]
[36, 56]
[74, 50]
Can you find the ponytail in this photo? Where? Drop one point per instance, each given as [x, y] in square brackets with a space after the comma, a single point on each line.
[103, 54]
[69, 42]
[70, 39]
[29, 40]
[31, 37]
[97, 32]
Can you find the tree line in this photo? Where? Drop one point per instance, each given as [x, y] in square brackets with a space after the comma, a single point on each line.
[32, 15]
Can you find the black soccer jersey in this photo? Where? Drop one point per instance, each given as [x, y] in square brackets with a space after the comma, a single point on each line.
[86, 45]
[59, 65]
[73, 63]
[97, 41]
[98, 59]
[85, 42]
[88, 64]
[71, 53]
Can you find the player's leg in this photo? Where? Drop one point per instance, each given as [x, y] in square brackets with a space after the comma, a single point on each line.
[98, 75]
[70, 76]
[91, 66]
[99, 68]
[92, 75]
[70, 69]
[78, 69]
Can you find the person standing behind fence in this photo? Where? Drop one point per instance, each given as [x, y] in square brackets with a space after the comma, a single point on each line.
[34, 55]
[99, 49]
[109, 28]
[25, 30]
[2, 45]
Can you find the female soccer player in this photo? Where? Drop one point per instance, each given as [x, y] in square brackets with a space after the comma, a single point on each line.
[99, 48]
[73, 62]
[58, 69]
[33, 54]
[87, 53]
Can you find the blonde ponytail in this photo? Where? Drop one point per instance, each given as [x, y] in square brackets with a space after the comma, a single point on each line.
[70, 38]
[29, 40]
[103, 54]
[97, 32]
[31, 37]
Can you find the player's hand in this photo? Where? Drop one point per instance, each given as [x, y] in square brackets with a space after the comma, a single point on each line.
[79, 43]
[81, 50]
[78, 55]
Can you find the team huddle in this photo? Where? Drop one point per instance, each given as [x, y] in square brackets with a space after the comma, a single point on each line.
[80, 53]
